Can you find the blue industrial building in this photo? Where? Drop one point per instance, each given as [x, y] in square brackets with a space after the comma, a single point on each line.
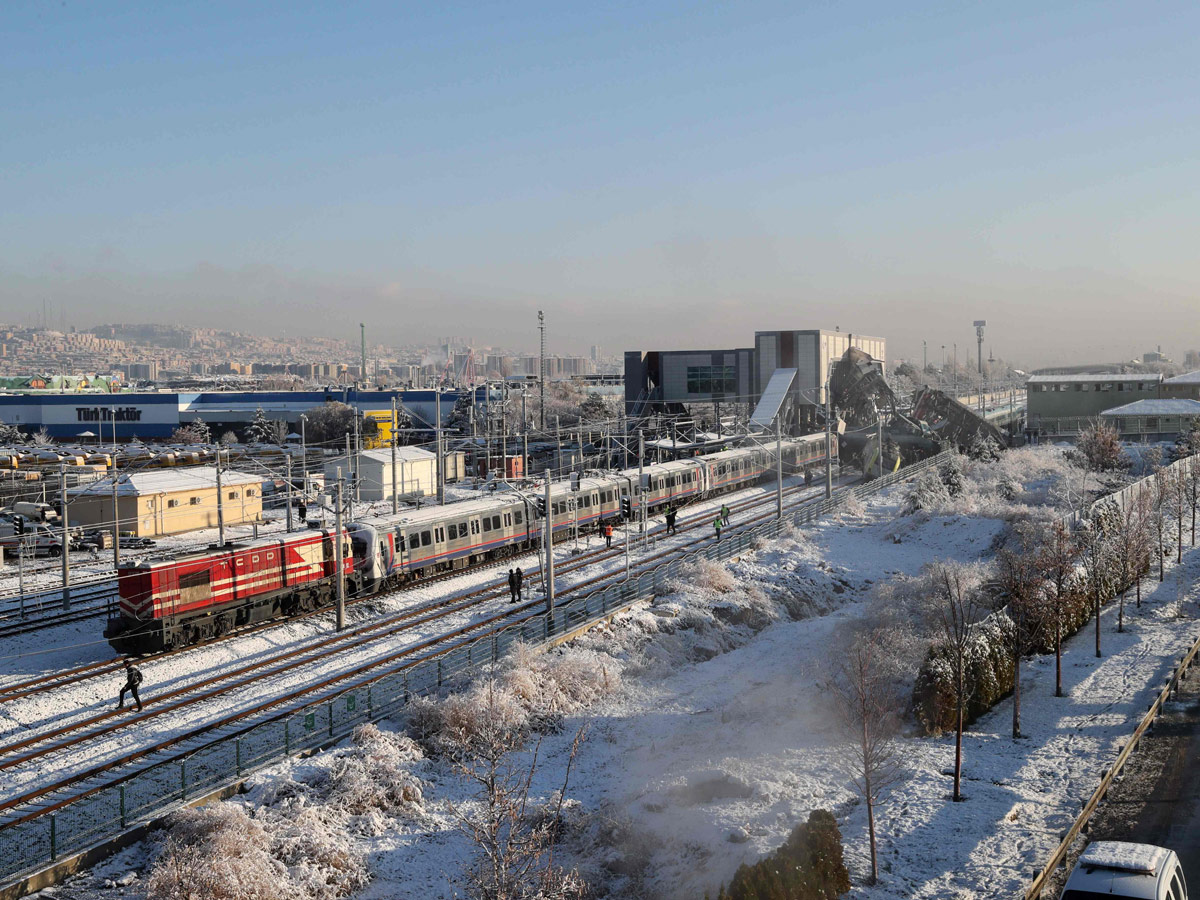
[148, 415]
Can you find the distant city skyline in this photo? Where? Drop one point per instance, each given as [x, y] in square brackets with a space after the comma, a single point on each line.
[660, 176]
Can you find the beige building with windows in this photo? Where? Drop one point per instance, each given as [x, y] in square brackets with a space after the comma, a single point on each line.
[167, 501]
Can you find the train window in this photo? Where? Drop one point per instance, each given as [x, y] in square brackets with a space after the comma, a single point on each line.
[474, 526]
[440, 535]
[426, 540]
[400, 543]
[508, 518]
[519, 516]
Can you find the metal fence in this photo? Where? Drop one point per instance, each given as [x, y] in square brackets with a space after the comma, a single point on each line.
[38, 838]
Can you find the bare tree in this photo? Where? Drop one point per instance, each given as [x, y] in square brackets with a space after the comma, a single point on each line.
[1177, 499]
[1021, 584]
[869, 701]
[1130, 545]
[956, 610]
[1192, 474]
[1056, 561]
[1096, 543]
[1100, 446]
[514, 848]
[1160, 492]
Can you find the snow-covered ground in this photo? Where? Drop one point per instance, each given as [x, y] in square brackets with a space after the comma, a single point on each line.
[720, 737]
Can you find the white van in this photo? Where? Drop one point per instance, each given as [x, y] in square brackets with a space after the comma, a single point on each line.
[1109, 869]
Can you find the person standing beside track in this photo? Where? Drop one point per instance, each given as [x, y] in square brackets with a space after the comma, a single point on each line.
[725, 515]
[133, 677]
[717, 523]
[520, 582]
[608, 535]
[671, 514]
[512, 586]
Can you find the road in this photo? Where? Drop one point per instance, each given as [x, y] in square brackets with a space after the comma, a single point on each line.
[1158, 801]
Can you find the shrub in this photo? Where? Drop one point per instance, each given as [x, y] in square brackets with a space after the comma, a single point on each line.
[809, 866]
[989, 677]
[953, 476]
[927, 493]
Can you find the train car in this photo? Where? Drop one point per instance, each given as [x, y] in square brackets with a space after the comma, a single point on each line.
[442, 538]
[172, 602]
[585, 502]
[671, 483]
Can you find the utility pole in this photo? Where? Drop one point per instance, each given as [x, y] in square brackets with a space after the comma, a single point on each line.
[362, 330]
[350, 466]
[879, 435]
[779, 466]
[557, 443]
[828, 440]
[524, 432]
[303, 459]
[341, 575]
[979, 325]
[504, 432]
[924, 358]
[441, 462]
[66, 537]
[640, 493]
[220, 503]
[625, 439]
[356, 472]
[288, 460]
[542, 367]
[395, 499]
[116, 517]
[549, 539]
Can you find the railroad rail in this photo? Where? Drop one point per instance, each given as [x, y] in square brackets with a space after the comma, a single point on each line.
[44, 832]
[47, 682]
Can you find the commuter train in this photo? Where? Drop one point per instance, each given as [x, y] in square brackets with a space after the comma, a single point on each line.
[198, 596]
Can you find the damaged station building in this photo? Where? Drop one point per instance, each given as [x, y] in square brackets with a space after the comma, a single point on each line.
[794, 366]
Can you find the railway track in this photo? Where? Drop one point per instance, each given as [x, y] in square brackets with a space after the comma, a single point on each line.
[89, 599]
[101, 668]
[83, 734]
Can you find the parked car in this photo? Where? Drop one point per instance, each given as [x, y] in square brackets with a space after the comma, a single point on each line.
[1110, 869]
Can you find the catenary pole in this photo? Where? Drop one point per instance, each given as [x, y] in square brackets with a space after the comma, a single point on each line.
[220, 503]
[549, 540]
[828, 441]
[288, 460]
[441, 462]
[395, 498]
[116, 516]
[341, 575]
[66, 537]
[638, 491]
[779, 466]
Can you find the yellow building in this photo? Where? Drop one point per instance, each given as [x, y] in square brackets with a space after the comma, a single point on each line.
[167, 501]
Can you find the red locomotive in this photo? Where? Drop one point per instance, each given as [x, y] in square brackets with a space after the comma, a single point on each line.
[182, 600]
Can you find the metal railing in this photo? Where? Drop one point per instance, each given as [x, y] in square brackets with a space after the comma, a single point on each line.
[1178, 674]
[33, 839]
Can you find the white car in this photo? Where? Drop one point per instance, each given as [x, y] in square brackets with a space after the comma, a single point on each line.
[1109, 869]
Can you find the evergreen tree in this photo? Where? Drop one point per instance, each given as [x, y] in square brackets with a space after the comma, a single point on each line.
[10, 435]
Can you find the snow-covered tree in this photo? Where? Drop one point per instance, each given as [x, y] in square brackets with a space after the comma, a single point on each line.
[1056, 561]
[1100, 448]
[953, 476]
[927, 493]
[1020, 581]
[195, 432]
[329, 423]
[10, 435]
[263, 430]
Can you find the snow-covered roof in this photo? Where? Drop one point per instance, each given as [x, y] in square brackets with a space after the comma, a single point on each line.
[1125, 856]
[1089, 377]
[1187, 378]
[1171, 407]
[403, 454]
[164, 481]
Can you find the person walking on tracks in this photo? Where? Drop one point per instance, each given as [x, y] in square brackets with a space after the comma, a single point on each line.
[725, 515]
[133, 677]
[718, 522]
[512, 586]
[671, 514]
[520, 583]
[608, 535]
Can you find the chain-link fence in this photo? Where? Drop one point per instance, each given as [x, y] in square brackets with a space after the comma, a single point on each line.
[36, 838]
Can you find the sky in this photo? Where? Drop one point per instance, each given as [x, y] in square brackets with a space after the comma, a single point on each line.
[653, 175]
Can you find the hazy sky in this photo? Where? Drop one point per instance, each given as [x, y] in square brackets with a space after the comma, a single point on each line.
[653, 175]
